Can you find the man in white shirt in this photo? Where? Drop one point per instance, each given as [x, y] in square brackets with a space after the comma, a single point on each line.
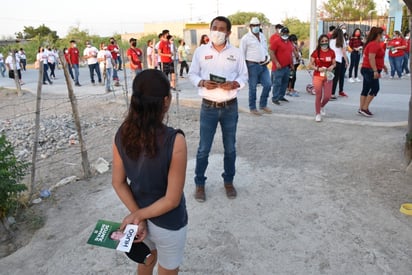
[104, 58]
[10, 66]
[90, 54]
[255, 50]
[219, 71]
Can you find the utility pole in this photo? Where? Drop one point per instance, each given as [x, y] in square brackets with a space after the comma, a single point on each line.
[313, 27]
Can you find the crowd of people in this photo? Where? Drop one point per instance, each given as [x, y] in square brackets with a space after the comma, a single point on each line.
[145, 148]
[150, 158]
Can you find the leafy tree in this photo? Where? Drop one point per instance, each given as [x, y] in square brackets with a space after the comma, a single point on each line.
[297, 27]
[301, 30]
[242, 18]
[347, 9]
[42, 31]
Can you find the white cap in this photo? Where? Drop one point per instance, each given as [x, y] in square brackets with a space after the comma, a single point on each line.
[254, 21]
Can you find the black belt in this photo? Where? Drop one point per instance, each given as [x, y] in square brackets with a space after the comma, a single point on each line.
[259, 63]
[219, 104]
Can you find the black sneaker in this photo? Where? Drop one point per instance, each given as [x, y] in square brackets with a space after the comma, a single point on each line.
[77, 84]
[365, 113]
[284, 99]
[333, 97]
[368, 112]
[276, 102]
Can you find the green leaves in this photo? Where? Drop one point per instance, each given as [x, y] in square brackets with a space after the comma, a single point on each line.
[12, 171]
[346, 10]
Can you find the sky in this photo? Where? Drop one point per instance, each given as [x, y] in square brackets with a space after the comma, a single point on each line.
[128, 16]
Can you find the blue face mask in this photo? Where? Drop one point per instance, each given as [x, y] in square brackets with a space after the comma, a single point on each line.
[256, 29]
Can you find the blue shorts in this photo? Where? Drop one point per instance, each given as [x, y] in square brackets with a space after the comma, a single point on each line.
[169, 244]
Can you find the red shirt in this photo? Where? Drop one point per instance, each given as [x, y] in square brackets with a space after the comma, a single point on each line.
[114, 49]
[283, 50]
[74, 55]
[164, 47]
[376, 48]
[355, 42]
[134, 58]
[325, 59]
[408, 45]
[67, 57]
[396, 42]
[274, 37]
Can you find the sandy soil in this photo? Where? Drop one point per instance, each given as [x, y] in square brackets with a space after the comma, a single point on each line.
[312, 199]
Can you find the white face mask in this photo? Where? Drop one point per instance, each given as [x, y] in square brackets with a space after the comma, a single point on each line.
[255, 30]
[218, 38]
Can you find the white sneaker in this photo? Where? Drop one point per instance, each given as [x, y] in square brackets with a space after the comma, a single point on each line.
[318, 118]
[322, 112]
[357, 79]
[351, 80]
[408, 75]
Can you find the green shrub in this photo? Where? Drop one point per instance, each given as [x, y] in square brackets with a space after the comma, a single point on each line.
[12, 171]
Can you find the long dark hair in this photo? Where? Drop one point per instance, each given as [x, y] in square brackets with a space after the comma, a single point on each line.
[202, 38]
[146, 112]
[354, 32]
[338, 35]
[373, 34]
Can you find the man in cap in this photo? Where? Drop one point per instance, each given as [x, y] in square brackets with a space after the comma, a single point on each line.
[134, 55]
[281, 55]
[253, 46]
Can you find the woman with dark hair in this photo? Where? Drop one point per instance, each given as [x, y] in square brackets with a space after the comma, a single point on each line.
[42, 58]
[153, 157]
[338, 45]
[322, 60]
[296, 56]
[372, 65]
[356, 45]
[396, 47]
[204, 39]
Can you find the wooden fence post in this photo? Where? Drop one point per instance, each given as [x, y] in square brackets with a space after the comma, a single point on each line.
[36, 132]
[73, 101]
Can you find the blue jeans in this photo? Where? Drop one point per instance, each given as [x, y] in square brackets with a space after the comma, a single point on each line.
[2, 69]
[354, 63]
[45, 74]
[69, 67]
[280, 80]
[115, 77]
[76, 73]
[135, 73]
[396, 65]
[109, 79]
[209, 118]
[405, 63]
[95, 68]
[258, 74]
